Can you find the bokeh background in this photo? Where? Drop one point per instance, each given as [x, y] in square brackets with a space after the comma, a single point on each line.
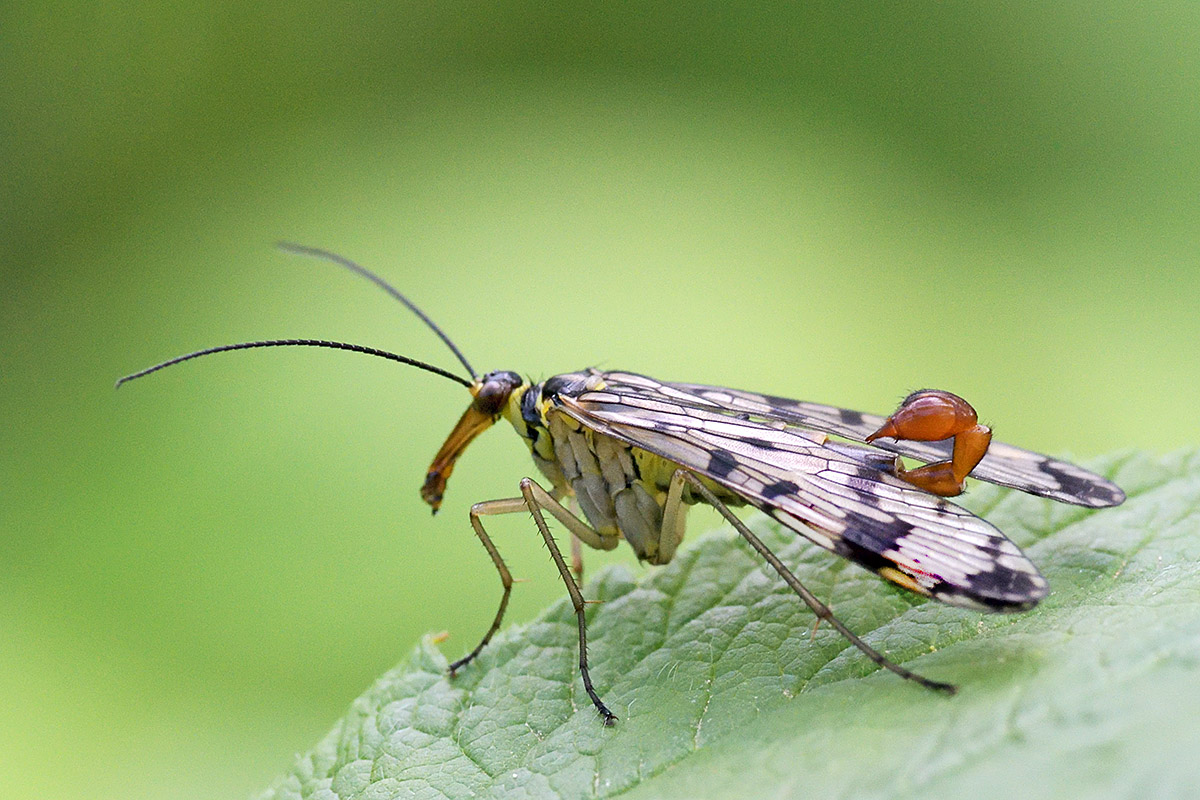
[839, 202]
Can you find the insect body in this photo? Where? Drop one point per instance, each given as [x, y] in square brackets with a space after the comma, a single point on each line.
[634, 453]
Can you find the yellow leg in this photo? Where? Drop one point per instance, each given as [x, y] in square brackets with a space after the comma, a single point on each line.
[534, 500]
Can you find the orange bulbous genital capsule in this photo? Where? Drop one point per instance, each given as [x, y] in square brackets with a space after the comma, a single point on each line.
[929, 415]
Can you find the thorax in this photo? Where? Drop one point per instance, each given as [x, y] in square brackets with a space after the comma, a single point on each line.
[620, 488]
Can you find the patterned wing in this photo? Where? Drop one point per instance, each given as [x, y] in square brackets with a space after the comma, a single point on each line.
[1004, 464]
[837, 495]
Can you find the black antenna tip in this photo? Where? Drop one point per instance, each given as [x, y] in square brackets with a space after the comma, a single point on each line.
[294, 247]
[361, 271]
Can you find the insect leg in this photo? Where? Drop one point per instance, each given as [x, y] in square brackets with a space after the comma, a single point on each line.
[478, 510]
[538, 499]
[576, 544]
[577, 558]
[673, 517]
[579, 532]
[534, 499]
[820, 609]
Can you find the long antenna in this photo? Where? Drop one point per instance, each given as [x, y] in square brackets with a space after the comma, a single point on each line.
[355, 348]
[316, 252]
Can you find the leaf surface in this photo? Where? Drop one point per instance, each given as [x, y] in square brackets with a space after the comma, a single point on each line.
[724, 690]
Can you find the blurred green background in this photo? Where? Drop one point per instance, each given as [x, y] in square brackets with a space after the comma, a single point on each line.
[838, 202]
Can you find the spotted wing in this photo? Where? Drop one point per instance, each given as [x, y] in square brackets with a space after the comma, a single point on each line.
[1004, 464]
[838, 495]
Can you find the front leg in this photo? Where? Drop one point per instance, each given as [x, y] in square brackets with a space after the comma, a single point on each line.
[534, 500]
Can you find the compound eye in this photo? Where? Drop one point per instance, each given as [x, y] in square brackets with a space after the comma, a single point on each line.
[492, 396]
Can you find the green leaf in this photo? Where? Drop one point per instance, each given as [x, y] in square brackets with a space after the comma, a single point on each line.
[724, 690]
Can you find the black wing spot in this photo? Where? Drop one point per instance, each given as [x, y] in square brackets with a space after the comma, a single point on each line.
[779, 489]
[866, 480]
[721, 463]
[999, 589]
[1086, 490]
[866, 554]
[850, 417]
[762, 444]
